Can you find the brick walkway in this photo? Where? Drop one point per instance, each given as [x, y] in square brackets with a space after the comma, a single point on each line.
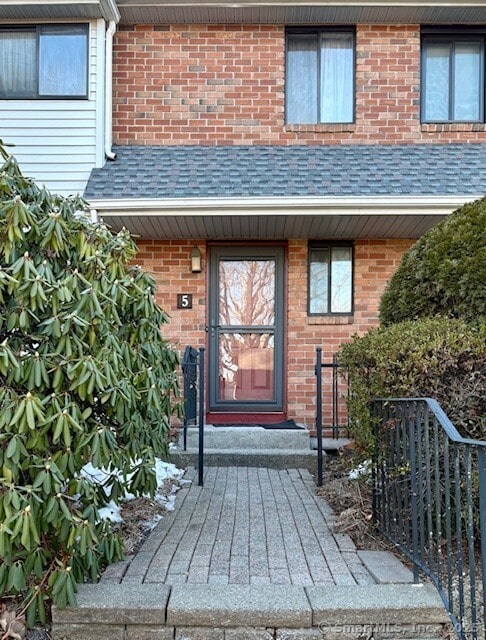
[252, 555]
[246, 526]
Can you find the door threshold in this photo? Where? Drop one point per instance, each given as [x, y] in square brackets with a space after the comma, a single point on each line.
[245, 418]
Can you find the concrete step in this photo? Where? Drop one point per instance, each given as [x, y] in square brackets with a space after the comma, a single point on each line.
[257, 439]
[249, 438]
[270, 458]
[252, 446]
[385, 567]
[141, 611]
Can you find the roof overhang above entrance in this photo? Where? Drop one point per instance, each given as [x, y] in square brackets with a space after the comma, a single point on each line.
[274, 218]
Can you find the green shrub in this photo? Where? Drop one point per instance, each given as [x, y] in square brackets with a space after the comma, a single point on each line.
[444, 273]
[440, 358]
[85, 375]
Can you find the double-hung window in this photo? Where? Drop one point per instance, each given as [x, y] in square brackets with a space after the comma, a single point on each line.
[45, 61]
[330, 279]
[320, 76]
[452, 77]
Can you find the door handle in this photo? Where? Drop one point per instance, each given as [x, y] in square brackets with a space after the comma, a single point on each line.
[210, 328]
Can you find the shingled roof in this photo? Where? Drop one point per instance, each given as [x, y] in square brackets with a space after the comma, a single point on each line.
[285, 171]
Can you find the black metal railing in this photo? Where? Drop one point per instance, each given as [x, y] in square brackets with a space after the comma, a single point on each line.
[193, 386]
[335, 401]
[429, 499]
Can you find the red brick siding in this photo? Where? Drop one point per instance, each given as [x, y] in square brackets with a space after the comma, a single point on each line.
[375, 261]
[170, 264]
[193, 84]
[224, 84]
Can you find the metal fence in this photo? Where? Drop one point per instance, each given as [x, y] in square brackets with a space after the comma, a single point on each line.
[331, 407]
[429, 499]
[193, 385]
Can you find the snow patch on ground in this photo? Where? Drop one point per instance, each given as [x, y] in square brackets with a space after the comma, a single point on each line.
[111, 512]
[95, 475]
[166, 470]
[363, 469]
[167, 474]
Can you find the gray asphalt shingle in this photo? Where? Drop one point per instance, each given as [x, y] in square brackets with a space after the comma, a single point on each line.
[256, 171]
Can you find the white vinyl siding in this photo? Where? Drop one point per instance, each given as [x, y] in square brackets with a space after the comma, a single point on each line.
[57, 141]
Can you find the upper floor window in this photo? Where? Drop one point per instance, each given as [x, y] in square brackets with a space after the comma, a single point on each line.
[330, 279]
[46, 61]
[453, 78]
[320, 76]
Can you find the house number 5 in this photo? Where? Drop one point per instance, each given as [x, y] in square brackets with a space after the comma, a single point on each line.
[184, 300]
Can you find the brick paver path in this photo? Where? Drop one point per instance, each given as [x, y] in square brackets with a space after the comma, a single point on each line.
[249, 526]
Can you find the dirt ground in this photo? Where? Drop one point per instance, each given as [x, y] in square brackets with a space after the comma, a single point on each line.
[351, 501]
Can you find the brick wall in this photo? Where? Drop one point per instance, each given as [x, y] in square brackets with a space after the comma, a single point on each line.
[375, 261]
[224, 84]
[170, 264]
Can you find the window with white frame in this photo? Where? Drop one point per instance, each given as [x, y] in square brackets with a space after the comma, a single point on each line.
[452, 77]
[319, 76]
[44, 61]
[330, 279]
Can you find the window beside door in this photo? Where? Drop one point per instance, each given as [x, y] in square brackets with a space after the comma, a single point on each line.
[46, 61]
[452, 77]
[330, 278]
[319, 76]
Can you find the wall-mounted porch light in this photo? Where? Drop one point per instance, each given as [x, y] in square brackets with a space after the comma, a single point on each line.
[195, 260]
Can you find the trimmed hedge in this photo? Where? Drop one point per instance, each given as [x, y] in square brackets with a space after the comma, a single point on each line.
[444, 273]
[440, 358]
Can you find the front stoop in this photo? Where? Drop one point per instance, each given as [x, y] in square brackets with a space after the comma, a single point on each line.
[134, 611]
[248, 438]
[247, 447]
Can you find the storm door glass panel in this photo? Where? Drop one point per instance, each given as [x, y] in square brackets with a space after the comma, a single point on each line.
[246, 330]
[467, 81]
[436, 99]
[247, 292]
[246, 366]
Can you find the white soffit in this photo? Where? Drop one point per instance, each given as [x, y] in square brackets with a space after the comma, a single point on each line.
[301, 11]
[21, 10]
[271, 218]
[250, 11]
